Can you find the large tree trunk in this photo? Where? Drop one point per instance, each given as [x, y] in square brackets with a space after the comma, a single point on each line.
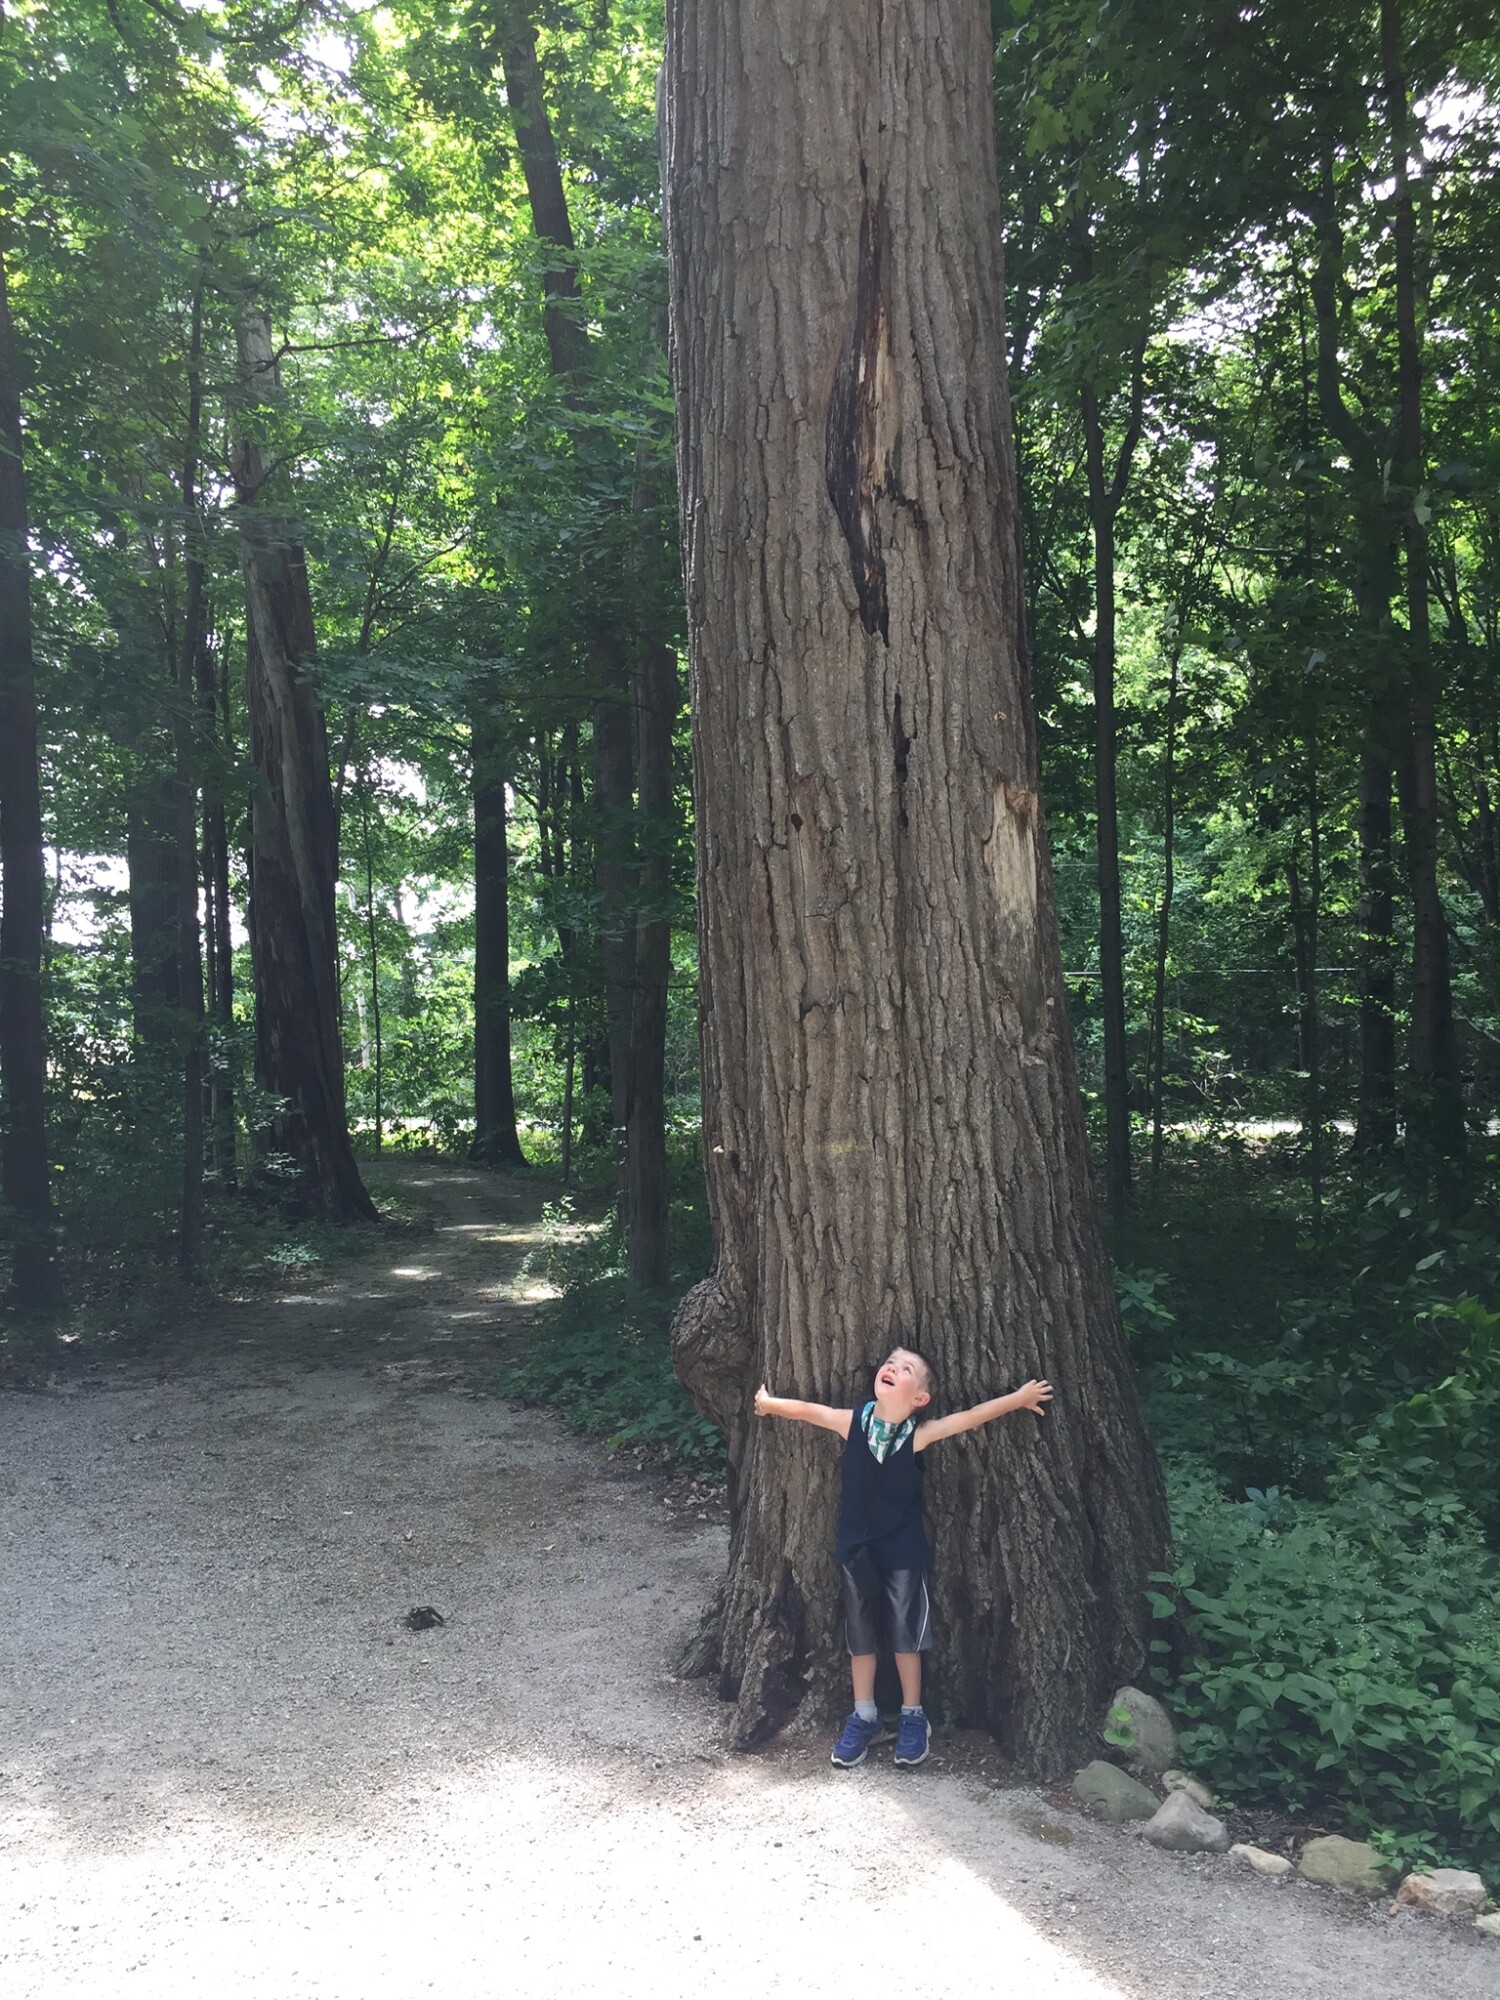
[495, 1138]
[25, 1186]
[294, 839]
[894, 1138]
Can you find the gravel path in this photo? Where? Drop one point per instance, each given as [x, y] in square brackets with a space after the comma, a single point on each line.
[227, 1769]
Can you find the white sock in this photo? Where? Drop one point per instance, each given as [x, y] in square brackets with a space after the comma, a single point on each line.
[867, 1711]
[911, 1711]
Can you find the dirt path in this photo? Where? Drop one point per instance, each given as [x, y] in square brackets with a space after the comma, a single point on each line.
[226, 1769]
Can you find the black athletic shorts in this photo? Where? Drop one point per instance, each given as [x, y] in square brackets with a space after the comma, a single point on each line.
[884, 1609]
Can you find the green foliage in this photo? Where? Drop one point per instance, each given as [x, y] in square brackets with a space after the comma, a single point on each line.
[1340, 1657]
[1442, 1445]
[601, 1355]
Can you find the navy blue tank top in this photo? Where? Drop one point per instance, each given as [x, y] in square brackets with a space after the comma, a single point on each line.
[882, 1503]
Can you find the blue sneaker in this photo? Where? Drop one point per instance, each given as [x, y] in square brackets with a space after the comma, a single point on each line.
[913, 1738]
[855, 1742]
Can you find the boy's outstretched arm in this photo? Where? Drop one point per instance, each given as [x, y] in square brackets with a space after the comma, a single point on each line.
[767, 1405]
[1030, 1396]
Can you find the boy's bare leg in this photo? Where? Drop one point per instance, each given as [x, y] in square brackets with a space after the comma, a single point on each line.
[909, 1667]
[862, 1673]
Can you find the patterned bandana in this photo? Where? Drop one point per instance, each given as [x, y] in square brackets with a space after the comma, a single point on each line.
[884, 1438]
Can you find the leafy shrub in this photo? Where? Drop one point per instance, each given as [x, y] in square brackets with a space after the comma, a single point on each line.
[602, 1355]
[603, 1360]
[1444, 1441]
[1340, 1655]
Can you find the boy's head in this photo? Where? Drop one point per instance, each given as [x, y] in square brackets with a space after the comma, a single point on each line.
[905, 1382]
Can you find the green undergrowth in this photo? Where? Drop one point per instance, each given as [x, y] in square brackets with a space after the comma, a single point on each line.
[1340, 1658]
[601, 1355]
[119, 1303]
[1329, 1417]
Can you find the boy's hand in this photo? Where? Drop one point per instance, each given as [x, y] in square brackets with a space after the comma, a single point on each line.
[762, 1401]
[1034, 1396]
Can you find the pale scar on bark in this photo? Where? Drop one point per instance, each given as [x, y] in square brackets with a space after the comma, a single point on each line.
[1011, 851]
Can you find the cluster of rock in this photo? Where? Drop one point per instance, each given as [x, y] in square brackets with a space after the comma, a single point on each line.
[1183, 1822]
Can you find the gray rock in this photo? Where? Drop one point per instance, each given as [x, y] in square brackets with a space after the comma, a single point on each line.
[1112, 1794]
[1444, 1892]
[1350, 1865]
[1490, 1924]
[1181, 1826]
[1152, 1744]
[1184, 1781]
[1261, 1859]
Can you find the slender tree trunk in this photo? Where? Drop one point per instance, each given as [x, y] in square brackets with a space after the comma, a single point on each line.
[1374, 585]
[658, 699]
[151, 891]
[1437, 1141]
[895, 1144]
[1164, 918]
[495, 1138]
[1304, 900]
[613, 728]
[185, 772]
[299, 1059]
[615, 881]
[25, 1181]
[570, 1057]
[1489, 853]
[1375, 1116]
[213, 686]
[1107, 821]
[372, 941]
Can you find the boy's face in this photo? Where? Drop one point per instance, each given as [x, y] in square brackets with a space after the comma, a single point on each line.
[901, 1384]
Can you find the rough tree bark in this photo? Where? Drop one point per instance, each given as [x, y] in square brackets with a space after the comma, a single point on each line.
[894, 1140]
[25, 1183]
[294, 840]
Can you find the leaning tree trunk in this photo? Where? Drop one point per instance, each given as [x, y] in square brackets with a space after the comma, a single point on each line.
[25, 1181]
[894, 1137]
[294, 836]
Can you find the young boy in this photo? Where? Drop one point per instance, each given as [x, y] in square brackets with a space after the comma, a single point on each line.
[882, 1550]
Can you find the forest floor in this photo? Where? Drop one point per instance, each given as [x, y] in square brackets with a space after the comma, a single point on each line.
[227, 1768]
